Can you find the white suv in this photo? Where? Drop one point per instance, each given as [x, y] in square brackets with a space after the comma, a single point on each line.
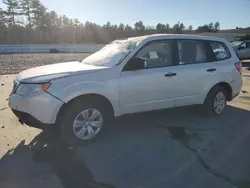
[127, 76]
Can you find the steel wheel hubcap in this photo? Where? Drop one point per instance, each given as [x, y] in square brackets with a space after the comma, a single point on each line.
[87, 123]
[219, 102]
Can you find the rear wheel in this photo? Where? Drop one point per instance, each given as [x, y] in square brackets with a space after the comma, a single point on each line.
[216, 101]
[83, 122]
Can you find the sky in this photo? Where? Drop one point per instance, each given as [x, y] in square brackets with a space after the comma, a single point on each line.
[230, 13]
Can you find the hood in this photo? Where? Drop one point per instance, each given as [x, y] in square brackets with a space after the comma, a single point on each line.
[50, 72]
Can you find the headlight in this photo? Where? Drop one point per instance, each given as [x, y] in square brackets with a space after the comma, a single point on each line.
[29, 89]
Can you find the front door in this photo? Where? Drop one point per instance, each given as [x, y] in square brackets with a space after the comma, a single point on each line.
[153, 86]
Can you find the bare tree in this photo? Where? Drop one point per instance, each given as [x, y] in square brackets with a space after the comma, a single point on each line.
[12, 7]
[121, 27]
[27, 10]
[190, 28]
[178, 28]
[139, 26]
[128, 28]
[211, 26]
[182, 26]
[167, 26]
[3, 17]
[38, 13]
[217, 26]
[161, 27]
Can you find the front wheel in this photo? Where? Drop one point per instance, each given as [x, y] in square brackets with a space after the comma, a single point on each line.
[87, 124]
[216, 101]
[83, 122]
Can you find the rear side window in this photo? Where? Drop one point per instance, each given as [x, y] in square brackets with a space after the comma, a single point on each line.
[191, 51]
[220, 50]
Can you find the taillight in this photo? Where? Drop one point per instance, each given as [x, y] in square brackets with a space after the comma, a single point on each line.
[238, 66]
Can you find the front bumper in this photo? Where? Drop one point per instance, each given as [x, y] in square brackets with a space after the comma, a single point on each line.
[42, 107]
[25, 118]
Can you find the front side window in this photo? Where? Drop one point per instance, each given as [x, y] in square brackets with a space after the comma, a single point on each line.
[157, 54]
[191, 51]
[220, 50]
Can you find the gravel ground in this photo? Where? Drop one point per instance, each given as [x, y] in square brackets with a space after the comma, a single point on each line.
[14, 63]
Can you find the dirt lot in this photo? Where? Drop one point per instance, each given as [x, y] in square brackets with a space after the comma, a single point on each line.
[172, 148]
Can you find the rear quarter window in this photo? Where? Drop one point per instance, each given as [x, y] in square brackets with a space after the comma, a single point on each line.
[219, 50]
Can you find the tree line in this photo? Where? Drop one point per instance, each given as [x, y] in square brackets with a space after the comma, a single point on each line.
[28, 21]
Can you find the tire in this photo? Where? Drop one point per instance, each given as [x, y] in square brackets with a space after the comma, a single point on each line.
[211, 101]
[76, 112]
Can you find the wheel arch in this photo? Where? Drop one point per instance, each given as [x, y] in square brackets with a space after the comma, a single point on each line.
[225, 86]
[90, 96]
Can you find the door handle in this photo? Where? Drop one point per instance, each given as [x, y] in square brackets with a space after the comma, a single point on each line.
[211, 70]
[170, 74]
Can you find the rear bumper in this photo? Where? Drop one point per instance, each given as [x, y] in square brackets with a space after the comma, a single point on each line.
[234, 96]
[25, 118]
[236, 86]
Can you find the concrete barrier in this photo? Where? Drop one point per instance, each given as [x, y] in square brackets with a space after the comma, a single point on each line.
[45, 48]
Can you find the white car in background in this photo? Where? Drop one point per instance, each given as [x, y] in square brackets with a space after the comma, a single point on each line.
[127, 76]
[242, 48]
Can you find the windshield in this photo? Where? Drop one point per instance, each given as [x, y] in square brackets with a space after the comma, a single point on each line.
[113, 53]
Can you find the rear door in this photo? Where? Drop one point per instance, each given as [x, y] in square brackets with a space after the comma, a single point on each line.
[193, 71]
[202, 64]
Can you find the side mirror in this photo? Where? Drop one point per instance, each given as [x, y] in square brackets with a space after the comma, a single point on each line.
[135, 64]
